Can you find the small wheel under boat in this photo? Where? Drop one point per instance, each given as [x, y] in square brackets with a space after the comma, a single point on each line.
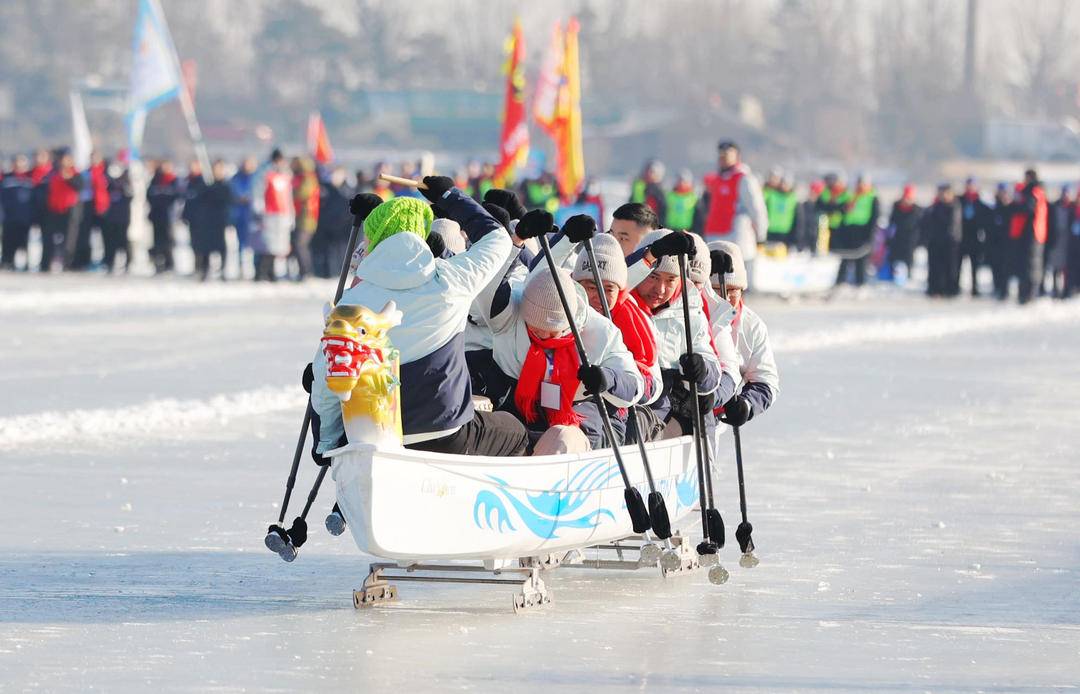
[718, 575]
[650, 554]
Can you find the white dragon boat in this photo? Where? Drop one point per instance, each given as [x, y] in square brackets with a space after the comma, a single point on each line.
[506, 515]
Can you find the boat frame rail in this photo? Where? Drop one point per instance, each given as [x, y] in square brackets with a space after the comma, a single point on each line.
[675, 557]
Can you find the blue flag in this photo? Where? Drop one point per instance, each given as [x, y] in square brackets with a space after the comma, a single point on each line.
[155, 73]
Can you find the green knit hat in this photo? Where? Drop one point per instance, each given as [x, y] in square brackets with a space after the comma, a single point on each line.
[397, 215]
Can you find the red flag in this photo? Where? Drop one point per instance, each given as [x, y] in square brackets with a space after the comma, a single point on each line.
[514, 139]
[318, 141]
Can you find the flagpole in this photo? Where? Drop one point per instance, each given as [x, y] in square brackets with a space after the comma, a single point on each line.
[186, 104]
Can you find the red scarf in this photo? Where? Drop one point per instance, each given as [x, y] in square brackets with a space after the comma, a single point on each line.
[565, 364]
[633, 323]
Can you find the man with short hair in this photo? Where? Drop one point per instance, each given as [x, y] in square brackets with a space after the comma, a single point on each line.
[1028, 231]
[630, 223]
[735, 207]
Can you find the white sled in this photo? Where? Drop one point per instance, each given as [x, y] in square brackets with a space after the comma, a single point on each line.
[797, 273]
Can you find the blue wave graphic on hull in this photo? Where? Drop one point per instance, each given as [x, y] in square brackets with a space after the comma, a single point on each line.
[546, 512]
[686, 488]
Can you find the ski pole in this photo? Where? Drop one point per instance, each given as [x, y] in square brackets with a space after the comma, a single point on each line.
[639, 516]
[707, 545]
[658, 514]
[742, 533]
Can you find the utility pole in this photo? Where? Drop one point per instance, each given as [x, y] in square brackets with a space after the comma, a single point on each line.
[970, 41]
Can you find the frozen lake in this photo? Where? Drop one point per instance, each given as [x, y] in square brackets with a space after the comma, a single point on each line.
[915, 495]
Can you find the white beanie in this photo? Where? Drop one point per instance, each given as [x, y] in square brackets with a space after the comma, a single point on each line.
[540, 305]
[609, 261]
[738, 277]
[699, 267]
[450, 232]
[669, 263]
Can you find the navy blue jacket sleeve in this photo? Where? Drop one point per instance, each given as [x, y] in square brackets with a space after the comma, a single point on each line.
[623, 385]
[636, 256]
[759, 395]
[474, 219]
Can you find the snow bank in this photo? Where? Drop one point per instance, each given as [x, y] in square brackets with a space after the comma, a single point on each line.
[929, 327]
[153, 417]
[137, 293]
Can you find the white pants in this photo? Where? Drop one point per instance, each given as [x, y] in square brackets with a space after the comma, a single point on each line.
[276, 233]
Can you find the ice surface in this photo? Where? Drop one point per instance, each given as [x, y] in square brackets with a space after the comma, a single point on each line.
[915, 495]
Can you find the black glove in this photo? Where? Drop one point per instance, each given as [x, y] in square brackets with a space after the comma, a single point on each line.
[594, 378]
[675, 243]
[501, 216]
[721, 263]
[736, 411]
[308, 378]
[692, 367]
[535, 223]
[361, 206]
[580, 227]
[436, 187]
[508, 200]
[436, 245]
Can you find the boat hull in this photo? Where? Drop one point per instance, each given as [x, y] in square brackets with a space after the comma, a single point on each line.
[413, 505]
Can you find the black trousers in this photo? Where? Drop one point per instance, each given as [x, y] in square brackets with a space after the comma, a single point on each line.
[997, 255]
[15, 238]
[115, 238]
[1029, 267]
[860, 270]
[301, 250]
[974, 255]
[941, 276]
[55, 229]
[202, 264]
[81, 251]
[161, 253]
[487, 433]
[264, 267]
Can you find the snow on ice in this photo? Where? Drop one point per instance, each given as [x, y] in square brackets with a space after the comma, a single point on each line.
[915, 496]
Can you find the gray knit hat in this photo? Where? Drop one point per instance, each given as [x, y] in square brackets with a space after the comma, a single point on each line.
[737, 278]
[450, 232]
[609, 261]
[699, 267]
[540, 306]
[669, 263]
